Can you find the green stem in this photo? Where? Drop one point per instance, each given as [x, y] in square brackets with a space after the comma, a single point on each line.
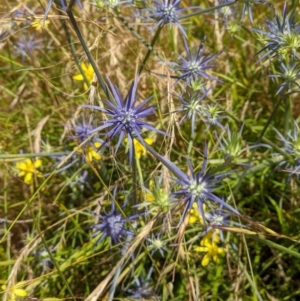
[73, 51]
[134, 177]
[86, 50]
[139, 37]
[150, 49]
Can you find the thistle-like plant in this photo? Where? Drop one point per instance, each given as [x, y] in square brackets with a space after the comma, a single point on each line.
[112, 225]
[193, 68]
[291, 145]
[26, 46]
[282, 35]
[196, 186]
[290, 73]
[166, 12]
[125, 117]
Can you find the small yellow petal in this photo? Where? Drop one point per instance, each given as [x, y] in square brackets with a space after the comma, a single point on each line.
[37, 163]
[85, 86]
[28, 178]
[201, 249]
[216, 259]
[21, 165]
[78, 77]
[22, 173]
[20, 292]
[149, 140]
[206, 259]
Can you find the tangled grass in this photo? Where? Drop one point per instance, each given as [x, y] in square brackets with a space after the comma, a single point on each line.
[149, 150]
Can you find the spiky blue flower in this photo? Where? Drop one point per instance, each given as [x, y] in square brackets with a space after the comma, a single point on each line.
[193, 67]
[217, 218]
[282, 35]
[291, 145]
[125, 117]
[26, 46]
[196, 186]
[82, 130]
[142, 289]
[193, 108]
[112, 225]
[290, 73]
[62, 3]
[167, 12]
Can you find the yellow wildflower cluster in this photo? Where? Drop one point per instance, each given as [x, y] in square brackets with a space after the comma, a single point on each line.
[28, 168]
[16, 291]
[140, 150]
[195, 214]
[90, 151]
[209, 245]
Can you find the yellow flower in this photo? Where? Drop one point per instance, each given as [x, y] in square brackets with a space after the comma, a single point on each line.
[91, 151]
[195, 214]
[209, 246]
[140, 150]
[28, 168]
[16, 291]
[89, 74]
[39, 25]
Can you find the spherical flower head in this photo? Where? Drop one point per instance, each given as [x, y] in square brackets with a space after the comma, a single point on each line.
[282, 36]
[193, 67]
[26, 46]
[113, 226]
[156, 244]
[291, 145]
[81, 131]
[193, 108]
[167, 12]
[125, 117]
[28, 168]
[290, 73]
[199, 188]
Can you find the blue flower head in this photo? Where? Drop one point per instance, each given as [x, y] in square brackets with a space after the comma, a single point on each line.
[125, 117]
[197, 187]
[193, 68]
[82, 131]
[282, 35]
[167, 12]
[193, 108]
[26, 46]
[62, 2]
[291, 145]
[112, 225]
[290, 73]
